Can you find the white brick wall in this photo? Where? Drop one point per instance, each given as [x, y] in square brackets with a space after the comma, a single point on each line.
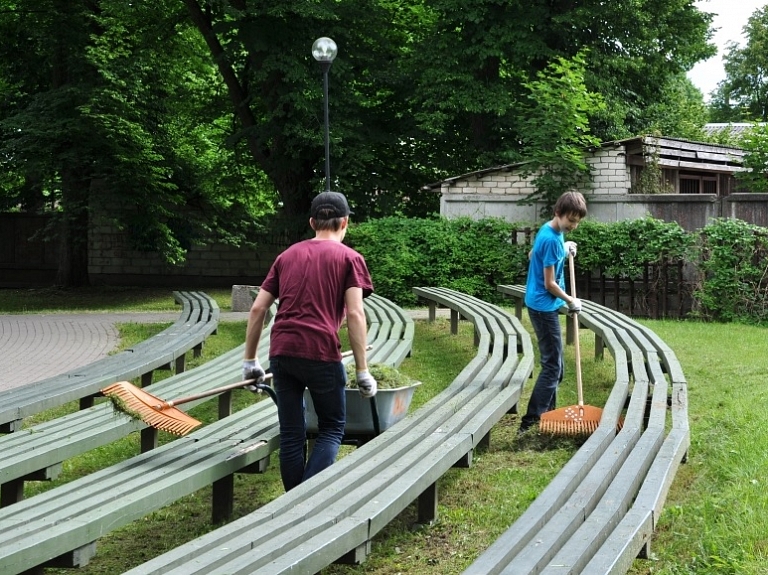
[110, 255]
[498, 193]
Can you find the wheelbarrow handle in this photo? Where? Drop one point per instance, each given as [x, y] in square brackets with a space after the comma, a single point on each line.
[375, 416]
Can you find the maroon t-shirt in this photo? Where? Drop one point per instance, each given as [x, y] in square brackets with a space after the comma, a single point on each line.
[309, 279]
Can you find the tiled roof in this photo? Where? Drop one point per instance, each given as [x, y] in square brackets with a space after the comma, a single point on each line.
[733, 127]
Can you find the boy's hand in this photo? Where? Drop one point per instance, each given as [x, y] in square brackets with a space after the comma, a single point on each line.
[252, 370]
[570, 248]
[366, 384]
[574, 306]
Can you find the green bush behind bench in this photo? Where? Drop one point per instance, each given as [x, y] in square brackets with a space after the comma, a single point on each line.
[727, 258]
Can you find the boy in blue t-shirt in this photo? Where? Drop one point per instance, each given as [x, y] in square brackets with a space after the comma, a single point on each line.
[545, 295]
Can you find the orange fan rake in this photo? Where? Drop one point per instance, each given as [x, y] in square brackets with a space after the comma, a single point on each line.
[574, 419]
[162, 414]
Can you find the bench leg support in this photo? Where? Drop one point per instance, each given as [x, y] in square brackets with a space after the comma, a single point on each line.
[225, 404]
[465, 462]
[356, 556]
[149, 439]
[80, 557]
[181, 363]
[11, 492]
[427, 506]
[454, 322]
[11, 426]
[223, 499]
[259, 466]
[599, 347]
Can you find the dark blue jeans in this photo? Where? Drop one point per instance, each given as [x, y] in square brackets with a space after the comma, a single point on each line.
[326, 382]
[546, 325]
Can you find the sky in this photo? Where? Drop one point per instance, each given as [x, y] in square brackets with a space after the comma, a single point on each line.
[730, 17]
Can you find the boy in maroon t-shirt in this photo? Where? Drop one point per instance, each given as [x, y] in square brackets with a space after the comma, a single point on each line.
[316, 282]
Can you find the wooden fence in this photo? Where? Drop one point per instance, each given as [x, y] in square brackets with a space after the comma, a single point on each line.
[664, 291]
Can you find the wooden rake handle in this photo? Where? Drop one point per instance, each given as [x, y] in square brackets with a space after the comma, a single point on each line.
[216, 391]
[577, 349]
[203, 394]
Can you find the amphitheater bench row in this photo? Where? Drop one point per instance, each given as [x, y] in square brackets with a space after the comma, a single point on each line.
[37, 453]
[334, 516]
[61, 526]
[599, 513]
[199, 319]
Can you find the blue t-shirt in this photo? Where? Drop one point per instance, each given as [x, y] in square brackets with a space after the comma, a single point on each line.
[548, 250]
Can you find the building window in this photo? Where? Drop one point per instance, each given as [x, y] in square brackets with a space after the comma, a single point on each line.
[698, 184]
[689, 185]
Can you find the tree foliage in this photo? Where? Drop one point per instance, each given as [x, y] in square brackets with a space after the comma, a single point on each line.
[755, 144]
[110, 104]
[743, 95]
[192, 122]
[556, 130]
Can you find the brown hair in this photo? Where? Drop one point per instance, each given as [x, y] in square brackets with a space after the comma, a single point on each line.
[571, 203]
[334, 224]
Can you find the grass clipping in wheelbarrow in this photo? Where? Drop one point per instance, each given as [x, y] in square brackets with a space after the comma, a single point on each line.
[386, 376]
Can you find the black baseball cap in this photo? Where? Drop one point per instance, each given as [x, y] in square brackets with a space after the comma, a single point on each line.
[330, 205]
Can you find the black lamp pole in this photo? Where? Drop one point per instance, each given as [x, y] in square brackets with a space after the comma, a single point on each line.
[324, 51]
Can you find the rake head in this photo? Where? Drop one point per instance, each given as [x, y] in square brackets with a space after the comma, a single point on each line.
[140, 404]
[574, 420]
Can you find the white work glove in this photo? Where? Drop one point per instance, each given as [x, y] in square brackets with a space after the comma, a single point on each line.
[574, 307]
[570, 248]
[252, 370]
[366, 385]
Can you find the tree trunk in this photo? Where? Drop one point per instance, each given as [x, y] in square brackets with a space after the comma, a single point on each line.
[73, 235]
[292, 180]
[73, 232]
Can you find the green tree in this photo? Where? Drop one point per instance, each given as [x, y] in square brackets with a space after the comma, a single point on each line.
[680, 113]
[743, 95]
[109, 104]
[263, 54]
[556, 130]
[755, 143]
[637, 51]
[473, 59]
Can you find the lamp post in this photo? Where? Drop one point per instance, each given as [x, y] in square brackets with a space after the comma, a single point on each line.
[324, 51]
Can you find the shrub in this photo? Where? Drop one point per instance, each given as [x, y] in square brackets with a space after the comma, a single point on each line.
[734, 268]
[729, 256]
[462, 254]
[623, 249]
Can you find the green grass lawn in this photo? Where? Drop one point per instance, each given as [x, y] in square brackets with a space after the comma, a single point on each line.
[714, 520]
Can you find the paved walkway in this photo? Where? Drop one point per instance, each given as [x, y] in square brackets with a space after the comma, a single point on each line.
[38, 346]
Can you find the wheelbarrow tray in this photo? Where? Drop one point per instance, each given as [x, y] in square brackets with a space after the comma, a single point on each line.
[392, 406]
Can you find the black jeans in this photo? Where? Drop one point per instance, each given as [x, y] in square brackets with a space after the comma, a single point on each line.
[546, 324]
[326, 382]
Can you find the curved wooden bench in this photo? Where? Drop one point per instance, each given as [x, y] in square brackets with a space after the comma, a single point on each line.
[599, 512]
[334, 515]
[199, 318]
[37, 452]
[61, 526]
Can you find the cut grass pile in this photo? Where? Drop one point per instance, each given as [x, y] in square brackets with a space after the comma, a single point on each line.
[386, 376]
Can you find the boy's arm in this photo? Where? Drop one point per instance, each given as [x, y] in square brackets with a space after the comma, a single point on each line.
[551, 285]
[256, 318]
[356, 326]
